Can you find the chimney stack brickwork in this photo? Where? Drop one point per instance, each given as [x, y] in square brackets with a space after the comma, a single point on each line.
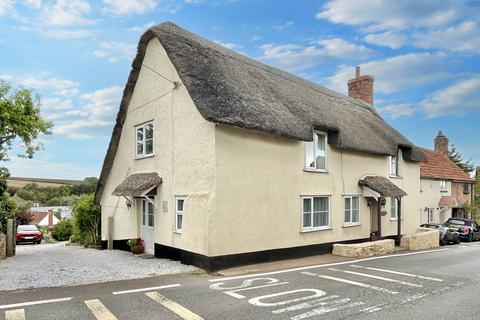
[441, 143]
[361, 87]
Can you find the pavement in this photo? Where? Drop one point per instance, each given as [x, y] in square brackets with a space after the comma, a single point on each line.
[435, 284]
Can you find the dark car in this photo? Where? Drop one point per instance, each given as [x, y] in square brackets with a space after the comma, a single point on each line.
[445, 234]
[28, 233]
[468, 229]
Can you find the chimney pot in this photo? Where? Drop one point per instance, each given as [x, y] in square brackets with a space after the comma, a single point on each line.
[441, 143]
[357, 72]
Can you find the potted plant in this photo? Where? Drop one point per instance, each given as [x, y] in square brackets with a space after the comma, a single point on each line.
[136, 245]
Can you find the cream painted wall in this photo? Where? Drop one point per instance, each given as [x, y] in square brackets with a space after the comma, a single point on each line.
[184, 156]
[430, 194]
[260, 181]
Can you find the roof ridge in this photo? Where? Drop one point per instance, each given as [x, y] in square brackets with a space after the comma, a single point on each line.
[268, 68]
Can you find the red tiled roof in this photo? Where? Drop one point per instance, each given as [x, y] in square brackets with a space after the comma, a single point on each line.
[439, 166]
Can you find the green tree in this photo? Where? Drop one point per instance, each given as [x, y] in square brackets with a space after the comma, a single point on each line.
[62, 230]
[86, 220]
[457, 158]
[88, 185]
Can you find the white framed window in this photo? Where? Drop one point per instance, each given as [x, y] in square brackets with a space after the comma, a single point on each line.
[315, 152]
[144, 139]
[443, 186]
[315, 213]
[393, 166]
[148, 212]
[430, 215]
[393, 208]
[179, 211]
[351, 210]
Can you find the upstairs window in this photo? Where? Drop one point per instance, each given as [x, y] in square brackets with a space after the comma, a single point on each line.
[393, 166]
[466, 188]
[315, 154]
[144, 137]
[443, 186]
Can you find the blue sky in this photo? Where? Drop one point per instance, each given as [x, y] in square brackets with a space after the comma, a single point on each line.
[424, 55]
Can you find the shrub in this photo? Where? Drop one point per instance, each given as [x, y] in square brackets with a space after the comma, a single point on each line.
[62, 230]
[86, 220]
[135, 242]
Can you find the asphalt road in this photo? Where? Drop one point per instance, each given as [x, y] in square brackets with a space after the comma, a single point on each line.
[441, 284]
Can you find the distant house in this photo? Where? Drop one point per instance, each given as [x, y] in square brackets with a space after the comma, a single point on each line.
[445, 188]
[44, 219]
[64, 211]
[219, 160]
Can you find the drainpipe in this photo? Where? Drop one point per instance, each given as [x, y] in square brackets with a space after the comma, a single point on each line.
[379, 218]
[399, 220]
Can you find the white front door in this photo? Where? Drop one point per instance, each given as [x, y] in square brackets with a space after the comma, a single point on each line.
[148, 225]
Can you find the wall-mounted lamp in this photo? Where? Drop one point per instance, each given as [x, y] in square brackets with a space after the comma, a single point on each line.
[383, 202]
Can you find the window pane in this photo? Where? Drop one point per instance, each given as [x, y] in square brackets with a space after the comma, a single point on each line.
[324, 219]
[355, 216]
[143, 213]
[307, 220]
[320, 163]
[348, 201]
[316, 204]
[323, 203]
[149, 131]
[321, 142]
[307, 205]
[347, 217]
[393, 207]
[179, 222]
[347, 211]
[180, 205]
[140, 134]
[150, 220]
[149, 146]
[139, 147]
[151, 208]
[309, 155]
[317, 219]
[355, 203]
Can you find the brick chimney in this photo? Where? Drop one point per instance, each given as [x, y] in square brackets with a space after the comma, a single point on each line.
[361, 87]
[441, 143]
[50, 218]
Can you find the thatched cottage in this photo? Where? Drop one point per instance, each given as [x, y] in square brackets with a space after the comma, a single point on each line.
[218, 160]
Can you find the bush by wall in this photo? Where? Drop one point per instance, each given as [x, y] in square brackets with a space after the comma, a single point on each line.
[62, 230]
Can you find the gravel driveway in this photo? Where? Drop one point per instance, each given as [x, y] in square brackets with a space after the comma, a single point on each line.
[54, 265]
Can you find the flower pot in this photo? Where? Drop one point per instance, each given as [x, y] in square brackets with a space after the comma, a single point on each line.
[137, 249]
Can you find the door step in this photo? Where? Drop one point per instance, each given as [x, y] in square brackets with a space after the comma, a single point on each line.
[146, 256]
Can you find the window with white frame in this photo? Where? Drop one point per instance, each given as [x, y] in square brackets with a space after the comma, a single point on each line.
[315, 213]
[315, 152]
[144, 138]
[148, 212]
[393, 208]
[393, 166]
[179, 210]
[443, 186]
[351, 210]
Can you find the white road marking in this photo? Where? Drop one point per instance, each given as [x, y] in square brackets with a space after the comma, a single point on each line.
[377, 277]
[372, 309]
[310, 304]
[414, 297]
[358, 284]
[99, 310]
[323, 310]
[146, 289]
[234, 293]
[176, 308]
[32, 303]
[325, 265]
[397, 272]
[17, 314]
[257, 301]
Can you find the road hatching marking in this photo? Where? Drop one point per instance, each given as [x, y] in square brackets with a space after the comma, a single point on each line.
[377, 277]
[17, 314]
[397, 272]
[176, 308]
[99, 310]
[146, 289]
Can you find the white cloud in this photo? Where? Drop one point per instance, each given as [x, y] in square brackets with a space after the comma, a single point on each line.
[67, 34]
[95, 116]
[56, 103]
[37, 4]
[5, 6]
[464, 37]
[396, 111]
[60, 87]
[284, 26]
[393, 40]
[458, 99]
[396, 73]
[143, 28]
[129, 7]
[115, 51]
[66, 12]
[385, 14]
[296, 57]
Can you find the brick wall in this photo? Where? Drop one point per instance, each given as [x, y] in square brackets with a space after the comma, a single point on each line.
[457, 192]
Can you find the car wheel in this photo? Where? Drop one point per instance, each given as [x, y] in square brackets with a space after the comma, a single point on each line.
[470, 237]
[39, 242]
[457, 241]
[444, 241]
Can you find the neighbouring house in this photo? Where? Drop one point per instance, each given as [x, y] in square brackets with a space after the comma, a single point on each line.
[44, 219]
[219, 160]
[64, 211]
[445, 188]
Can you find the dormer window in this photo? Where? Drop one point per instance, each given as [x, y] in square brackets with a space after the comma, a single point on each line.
[394, 166]
[315, 152]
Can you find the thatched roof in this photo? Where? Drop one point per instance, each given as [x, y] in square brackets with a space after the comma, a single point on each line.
[382, 185]
[231, 89]
[136, 185]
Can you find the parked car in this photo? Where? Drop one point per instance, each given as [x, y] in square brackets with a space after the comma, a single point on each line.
[445, 234]
[468, 229]
[28, 233]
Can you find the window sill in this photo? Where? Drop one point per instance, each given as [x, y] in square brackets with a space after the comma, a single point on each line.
[315, 170]
[348, 225]
[443, 191]
[177, 231]
[143, 157]
[315, 229]
[395, 177]
[395, 219]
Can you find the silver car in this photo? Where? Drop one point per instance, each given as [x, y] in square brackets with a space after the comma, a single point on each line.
[446, 235]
